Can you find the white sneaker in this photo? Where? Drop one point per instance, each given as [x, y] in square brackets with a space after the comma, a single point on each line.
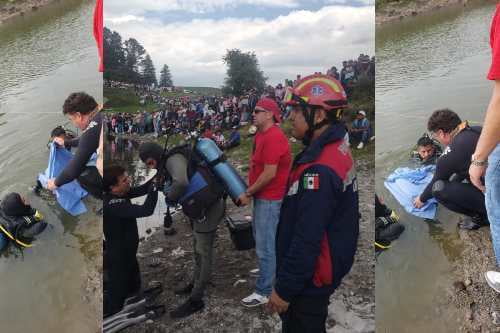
[254, 272]
[493, 279]
[254, 300]
[360, 146]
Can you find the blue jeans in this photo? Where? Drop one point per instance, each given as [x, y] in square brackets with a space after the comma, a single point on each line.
[266, 214]
[492, 181]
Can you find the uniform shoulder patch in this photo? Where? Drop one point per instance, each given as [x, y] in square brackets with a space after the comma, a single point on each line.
[116, 201]
[310, 181]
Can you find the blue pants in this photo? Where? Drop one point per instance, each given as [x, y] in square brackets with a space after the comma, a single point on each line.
[492, 181]
[266, 215]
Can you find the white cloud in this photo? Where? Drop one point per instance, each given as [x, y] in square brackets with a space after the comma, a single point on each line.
[139, 7]
[300, 42]
[124, 19]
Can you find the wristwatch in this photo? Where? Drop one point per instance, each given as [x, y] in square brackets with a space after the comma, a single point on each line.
[478, 163]
[248, 194]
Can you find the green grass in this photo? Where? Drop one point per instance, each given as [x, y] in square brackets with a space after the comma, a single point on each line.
[196, 92]
[122, 100]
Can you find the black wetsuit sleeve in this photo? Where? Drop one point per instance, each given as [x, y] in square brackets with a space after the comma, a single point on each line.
[445, 167]
[140, 190]
[125, 209]
[72, 143]
[88, 144]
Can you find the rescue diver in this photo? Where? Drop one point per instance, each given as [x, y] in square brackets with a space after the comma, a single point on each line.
[121, 234]
[427, 151]
[387, 227]
[83, 112]
[177, 169]
[19, 222]
[450, 185]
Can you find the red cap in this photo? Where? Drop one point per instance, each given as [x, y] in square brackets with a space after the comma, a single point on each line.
[269, 104]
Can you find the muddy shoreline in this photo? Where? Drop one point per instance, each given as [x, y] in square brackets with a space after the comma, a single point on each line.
[19, 8]
[352, 307]
[470, 293]
[397, 11]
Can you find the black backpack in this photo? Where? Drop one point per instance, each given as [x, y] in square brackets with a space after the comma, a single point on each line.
[204, 188]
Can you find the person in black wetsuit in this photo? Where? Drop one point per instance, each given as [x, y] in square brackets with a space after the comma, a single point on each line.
[83, 111]
[427, 152]
[121, 234]
[450, 185]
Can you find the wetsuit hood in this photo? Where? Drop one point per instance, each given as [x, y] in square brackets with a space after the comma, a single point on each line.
[150, 150]
[13, 205]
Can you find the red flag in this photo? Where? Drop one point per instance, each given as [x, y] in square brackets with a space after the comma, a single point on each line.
[98, 31]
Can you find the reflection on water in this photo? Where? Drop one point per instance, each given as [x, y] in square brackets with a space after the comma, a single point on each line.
[43, 58]
[430, 62]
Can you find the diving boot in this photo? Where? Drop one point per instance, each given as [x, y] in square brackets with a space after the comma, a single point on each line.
[472, 222]
[186, 290]
[188, 308]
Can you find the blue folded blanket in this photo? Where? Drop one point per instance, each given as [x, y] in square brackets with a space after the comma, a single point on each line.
[406, 184]
[70, 195]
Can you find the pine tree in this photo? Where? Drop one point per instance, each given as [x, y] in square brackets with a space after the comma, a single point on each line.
[148, 72]
[165, 77]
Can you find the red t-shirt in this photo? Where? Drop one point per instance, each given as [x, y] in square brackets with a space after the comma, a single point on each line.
[271, 147]
[494, 73]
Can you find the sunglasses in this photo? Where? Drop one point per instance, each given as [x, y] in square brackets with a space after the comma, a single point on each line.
[258, 111]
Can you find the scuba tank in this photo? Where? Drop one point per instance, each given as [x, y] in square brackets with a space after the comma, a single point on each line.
[213, 156]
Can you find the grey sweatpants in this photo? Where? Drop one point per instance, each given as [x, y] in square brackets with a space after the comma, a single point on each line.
[203, 245]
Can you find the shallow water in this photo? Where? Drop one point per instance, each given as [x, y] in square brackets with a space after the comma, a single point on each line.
[423, 64]
[44, 57]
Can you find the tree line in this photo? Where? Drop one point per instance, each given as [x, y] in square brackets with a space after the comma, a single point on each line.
[128, 62]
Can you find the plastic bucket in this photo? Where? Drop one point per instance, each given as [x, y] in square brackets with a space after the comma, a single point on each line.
[241, 233]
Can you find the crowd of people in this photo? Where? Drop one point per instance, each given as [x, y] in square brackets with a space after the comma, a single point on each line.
[211, 115]
[296, 258]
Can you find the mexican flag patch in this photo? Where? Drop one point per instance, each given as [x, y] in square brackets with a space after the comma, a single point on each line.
[311, 181]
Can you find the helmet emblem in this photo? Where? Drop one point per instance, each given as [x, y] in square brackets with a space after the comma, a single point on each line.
[317, 90]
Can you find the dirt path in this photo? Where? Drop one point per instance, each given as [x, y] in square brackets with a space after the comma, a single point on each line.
[471, 293]
[10, 9]
[399, 10]
[352, 307]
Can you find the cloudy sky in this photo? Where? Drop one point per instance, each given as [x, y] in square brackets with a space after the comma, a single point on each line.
[288, 36]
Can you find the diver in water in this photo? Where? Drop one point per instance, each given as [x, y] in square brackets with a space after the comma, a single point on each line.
[427, 151]
[387, 227]
[83, 111]
[63, 135]
[19, 222]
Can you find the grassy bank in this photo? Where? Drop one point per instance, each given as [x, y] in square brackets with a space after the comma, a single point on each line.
[122, 100]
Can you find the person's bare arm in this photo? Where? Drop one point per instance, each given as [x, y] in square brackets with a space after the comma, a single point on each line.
[490, 137]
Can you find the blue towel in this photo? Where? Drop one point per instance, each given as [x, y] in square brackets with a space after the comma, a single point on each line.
[70, 195]
[406, 184]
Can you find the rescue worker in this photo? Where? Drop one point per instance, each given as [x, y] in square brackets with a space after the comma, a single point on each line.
[461, 197]
[83, 112]
[177, 171]
[319, 219]
[121, 234]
